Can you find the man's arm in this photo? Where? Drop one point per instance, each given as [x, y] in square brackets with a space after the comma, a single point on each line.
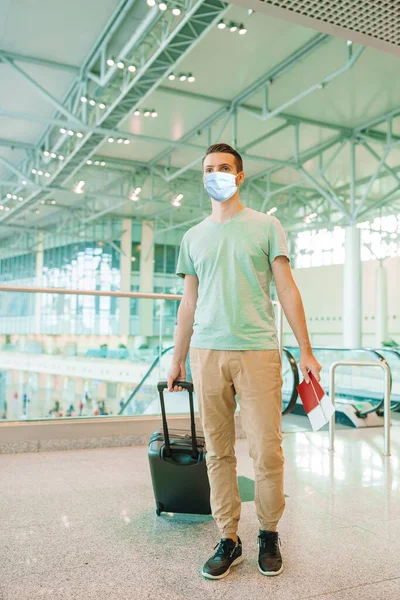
[184, 331]
[290, 299]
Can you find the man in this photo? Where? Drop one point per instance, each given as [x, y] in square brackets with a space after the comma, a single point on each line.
[227, 318]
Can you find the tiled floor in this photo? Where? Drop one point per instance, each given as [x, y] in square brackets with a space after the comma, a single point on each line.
[81, 525]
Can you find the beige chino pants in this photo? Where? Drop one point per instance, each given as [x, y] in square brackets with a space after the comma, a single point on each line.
[256, 377]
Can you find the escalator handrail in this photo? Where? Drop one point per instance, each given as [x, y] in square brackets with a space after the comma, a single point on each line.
[296, 381]
[292, 362]
[139, 385]
[396, 352]
[376, 408]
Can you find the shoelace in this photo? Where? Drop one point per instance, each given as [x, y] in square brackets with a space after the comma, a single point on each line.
[269, 544]
[223, 548]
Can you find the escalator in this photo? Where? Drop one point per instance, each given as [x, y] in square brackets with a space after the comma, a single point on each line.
[143, 400]
[359, 390]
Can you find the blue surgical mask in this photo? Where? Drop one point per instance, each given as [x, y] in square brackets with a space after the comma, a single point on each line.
[220, 186]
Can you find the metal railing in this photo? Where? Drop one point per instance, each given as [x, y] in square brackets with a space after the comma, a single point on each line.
[119, 294]
[386, 402]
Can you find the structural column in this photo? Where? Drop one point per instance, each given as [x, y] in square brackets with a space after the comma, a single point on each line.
[146, 278]
[39, 281]
[381, 311]
[125, 273]
[352, 289]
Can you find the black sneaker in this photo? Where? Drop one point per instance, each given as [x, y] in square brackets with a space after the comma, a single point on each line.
[269, 557]
[229, 553]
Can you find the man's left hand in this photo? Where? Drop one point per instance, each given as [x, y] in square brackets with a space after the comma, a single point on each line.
[308, 363]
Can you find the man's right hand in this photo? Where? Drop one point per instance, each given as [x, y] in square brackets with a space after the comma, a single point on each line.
[177, 372]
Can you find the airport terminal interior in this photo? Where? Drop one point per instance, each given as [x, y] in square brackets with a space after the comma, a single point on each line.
[107, 108]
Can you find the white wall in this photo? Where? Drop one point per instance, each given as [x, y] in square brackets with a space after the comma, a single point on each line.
[322, 292]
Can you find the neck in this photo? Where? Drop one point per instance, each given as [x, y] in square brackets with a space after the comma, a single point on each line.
[223, 211]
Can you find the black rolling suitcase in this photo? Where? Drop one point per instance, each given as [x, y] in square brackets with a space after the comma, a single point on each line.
[178, 466]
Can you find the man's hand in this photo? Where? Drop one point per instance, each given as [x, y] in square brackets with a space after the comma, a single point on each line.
[177, 372]
[308, 363]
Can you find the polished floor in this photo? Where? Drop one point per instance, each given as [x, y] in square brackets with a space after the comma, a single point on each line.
[80, 525]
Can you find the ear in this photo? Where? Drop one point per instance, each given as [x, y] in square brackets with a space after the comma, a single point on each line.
[240, 178]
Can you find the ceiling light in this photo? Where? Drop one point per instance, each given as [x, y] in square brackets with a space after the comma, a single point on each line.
[9, 196]
[53, 155]
[83, 99]
[154, 114]
[46, 153]
[20, 198]
[47, 174]
[126, 142]
[61, 157]
[79, 134]
[191, 78]
[78, 187]
[111, 140]
[14, 197]
[137, 113]
[62, 130]
[120, 141]
[37, 211]
[53, 201]
[92, 102]
[97, 162]
[233, 27]
[151, 3]
[1, 207]
[221, 25]
[70, 132]
[132, 68]
[147, 113]
[24, 182]
[40, 172]
[133, 196]
[242, 29]
[89, 162]
[349, 42]
[138, 190]
[7, 208]
[171, 77]
[102, 105]
[162, 6]
[250, 12]
[43, 202]
[179, 197]
[34, 171]
[182, 77]
[103, 164]
[272, 210]
[176, 12]
[120, 64]
[110, 62]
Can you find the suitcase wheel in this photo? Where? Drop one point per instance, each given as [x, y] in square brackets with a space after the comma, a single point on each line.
[159, 509]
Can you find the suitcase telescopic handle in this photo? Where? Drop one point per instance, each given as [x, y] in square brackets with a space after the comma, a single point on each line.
[187, 385]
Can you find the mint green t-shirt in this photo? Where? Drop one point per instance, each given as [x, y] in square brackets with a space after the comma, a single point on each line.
[232, 261]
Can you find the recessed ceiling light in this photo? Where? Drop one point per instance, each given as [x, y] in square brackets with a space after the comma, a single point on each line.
[147, 113]
[20, 198]
[103, 164]
[151, 3]
[191, 78]
[14, 196]
[70, 132]
[132, 68]
[97, 162]
[61, 157]
[24, 182]
[221, 25]
[242, 30]
[120, 64]
[79, 134]
[83, 99]
[53, 155]
[233, 27]
[89, 162]
[53, 202]
[176, 12]
[126, 142]
[182, 77]
[92, 102]
[154, 114]
[137, 113]
[102, 105]
[46, 153]
[162, 6]
[110, 62]
[120, 141]
[40, 173]
[9, 196]
[171, 77]
[47, 174]
[62, 130]
[34, 171]
[111, 140]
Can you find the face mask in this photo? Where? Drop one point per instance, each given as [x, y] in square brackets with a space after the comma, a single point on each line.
[220, 186]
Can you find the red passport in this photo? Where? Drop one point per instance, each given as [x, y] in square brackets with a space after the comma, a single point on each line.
[310, 393]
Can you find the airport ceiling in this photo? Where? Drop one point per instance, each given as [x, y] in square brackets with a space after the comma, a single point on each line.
[90, 114]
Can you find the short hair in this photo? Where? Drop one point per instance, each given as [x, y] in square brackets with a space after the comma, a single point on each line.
[227, 150]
